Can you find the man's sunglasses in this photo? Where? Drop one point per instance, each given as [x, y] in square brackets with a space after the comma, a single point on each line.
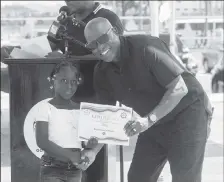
[100, 40]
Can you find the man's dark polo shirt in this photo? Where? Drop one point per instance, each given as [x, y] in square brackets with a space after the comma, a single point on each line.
[139, 81]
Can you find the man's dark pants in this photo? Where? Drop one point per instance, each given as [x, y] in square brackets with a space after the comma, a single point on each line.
[181, 141]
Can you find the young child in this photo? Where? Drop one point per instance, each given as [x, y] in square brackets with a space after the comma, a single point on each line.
[56, 128]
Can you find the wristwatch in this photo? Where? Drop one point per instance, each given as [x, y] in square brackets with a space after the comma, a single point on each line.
[152, 118]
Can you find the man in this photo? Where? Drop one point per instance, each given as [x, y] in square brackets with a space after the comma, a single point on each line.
[85, 11]
[172, 111]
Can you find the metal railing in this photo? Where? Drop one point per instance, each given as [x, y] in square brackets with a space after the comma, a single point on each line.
[181, 19]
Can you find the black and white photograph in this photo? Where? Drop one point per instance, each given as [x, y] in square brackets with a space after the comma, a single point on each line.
[112, 91]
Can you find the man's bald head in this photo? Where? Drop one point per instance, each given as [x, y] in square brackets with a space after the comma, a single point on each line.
[101, 39]
[95, 28]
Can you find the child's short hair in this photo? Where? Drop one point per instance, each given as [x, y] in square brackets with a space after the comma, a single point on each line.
[58, 67]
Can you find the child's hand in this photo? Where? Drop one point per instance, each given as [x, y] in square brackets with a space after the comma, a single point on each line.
[84, 164]
[88, 157]
[76, 157]
[92, 143]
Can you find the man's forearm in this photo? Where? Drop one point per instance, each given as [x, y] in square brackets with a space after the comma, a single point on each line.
[98, 148]
[167, 104]
[171, 99]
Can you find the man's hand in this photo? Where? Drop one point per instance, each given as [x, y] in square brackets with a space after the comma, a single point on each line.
[92, 143]
[88, 157]
[136, 125]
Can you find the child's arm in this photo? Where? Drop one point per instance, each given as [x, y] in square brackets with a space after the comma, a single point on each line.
[91, 149]
[51, 148]
[92, 144]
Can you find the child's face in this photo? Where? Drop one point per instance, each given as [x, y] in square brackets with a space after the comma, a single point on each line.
[66, 82]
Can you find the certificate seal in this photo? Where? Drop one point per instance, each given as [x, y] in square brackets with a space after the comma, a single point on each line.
[123, 115]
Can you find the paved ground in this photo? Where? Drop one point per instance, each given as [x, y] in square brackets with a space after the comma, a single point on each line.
[213, 163]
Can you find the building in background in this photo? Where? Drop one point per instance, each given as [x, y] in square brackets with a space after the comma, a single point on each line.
[191, 19]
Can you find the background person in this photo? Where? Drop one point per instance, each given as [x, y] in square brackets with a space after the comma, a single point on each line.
[84, 11]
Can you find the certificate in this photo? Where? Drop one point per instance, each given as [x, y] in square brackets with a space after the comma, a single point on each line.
[105, 122]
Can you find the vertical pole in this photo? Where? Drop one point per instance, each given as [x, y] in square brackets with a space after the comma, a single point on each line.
[123, 13]
[32, 24]
[213, 28]
[121, 156]
[121, 164]
[172, 27]
[141, 14]
[154, 16]
[206, 22]
[114, 6]
[211, 8]
[111, 163]
[222, 3]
